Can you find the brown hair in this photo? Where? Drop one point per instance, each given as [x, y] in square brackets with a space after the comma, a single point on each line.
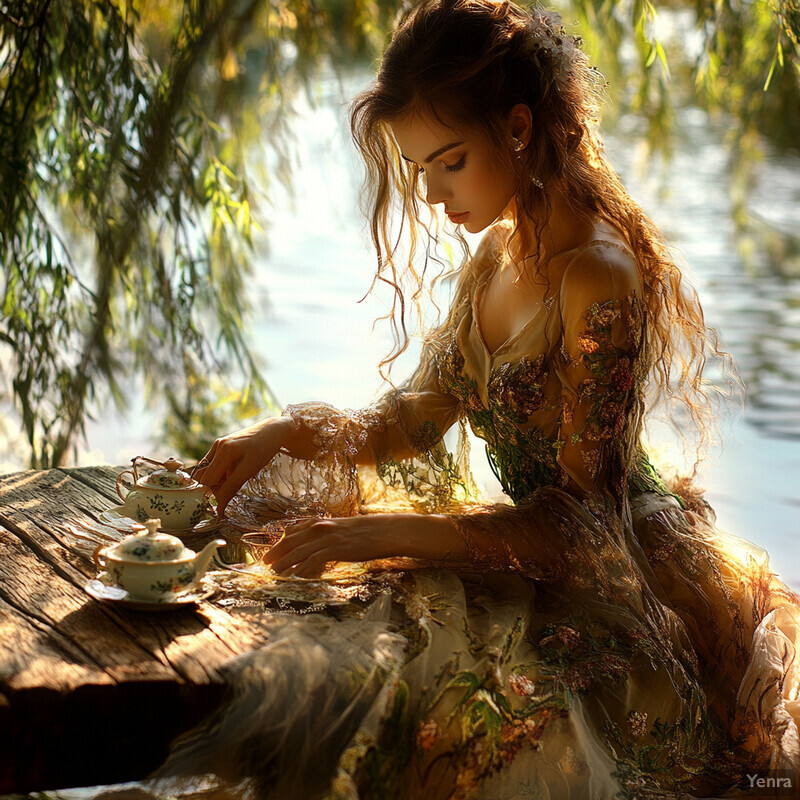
[469, 62]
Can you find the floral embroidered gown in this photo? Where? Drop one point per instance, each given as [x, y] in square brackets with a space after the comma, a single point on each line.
[604, 640]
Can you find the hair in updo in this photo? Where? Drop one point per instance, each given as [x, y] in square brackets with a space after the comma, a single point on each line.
[467, 63]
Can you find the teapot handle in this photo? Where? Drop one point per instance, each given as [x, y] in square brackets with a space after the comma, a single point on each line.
[99, 556]
[120, 483]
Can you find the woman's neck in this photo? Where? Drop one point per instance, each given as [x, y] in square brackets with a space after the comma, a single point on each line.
[566, 227]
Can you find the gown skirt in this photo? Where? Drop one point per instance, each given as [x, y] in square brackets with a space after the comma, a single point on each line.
[605, 638]
[470, 683]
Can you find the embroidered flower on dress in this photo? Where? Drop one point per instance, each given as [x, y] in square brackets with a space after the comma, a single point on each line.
[425, 437]
[450, 365]
[428, 735]
[521, 685]
[637, 723]
[586, 389]
[622, 377]
[596, 433]
[604, 316]
[518, 386]
[514, 735]
[564, 634]
[588, 344]
[591, 460]
[612, 416]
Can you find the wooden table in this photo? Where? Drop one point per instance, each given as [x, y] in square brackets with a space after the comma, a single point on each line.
[91, 693]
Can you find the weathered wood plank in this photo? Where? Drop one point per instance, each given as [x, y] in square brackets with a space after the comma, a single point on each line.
[92, 693]
[36, 591]
[32, 657]
[103, 479]
[194, 646]
[38, 507]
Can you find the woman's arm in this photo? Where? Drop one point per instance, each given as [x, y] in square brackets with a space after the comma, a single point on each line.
[237, 457]
[404, 422]
[309, 545]
[567, 531]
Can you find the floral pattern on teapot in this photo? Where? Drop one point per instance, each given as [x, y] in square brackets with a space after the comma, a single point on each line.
[169, 493]
[152, 564]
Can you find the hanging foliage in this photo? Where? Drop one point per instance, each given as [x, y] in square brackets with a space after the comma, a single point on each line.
[125, 216]
[130, 188]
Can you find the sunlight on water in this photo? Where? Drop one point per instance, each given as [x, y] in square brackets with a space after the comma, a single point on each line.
[317, 344]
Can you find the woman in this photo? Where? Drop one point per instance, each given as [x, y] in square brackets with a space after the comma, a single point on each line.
[595, 636]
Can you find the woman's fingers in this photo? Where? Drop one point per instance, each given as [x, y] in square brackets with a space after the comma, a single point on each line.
[296, 557]
[230, 485]
[224, 461]
[294, 528]
[287, 547]
[308, 547]
[203, 464]
[234, 459]
[313, 566]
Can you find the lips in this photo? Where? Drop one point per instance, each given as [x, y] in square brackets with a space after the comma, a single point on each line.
[458, 218]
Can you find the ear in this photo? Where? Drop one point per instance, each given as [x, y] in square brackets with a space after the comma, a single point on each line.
[520, 123]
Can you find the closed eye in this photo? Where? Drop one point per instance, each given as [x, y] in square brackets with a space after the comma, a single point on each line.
[458, 165]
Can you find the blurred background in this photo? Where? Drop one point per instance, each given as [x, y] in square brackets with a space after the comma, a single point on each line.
[184, 252]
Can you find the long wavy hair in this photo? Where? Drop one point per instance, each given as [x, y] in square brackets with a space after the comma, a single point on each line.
[467, 63]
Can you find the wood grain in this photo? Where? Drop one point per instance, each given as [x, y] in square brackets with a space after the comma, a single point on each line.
[89, 692]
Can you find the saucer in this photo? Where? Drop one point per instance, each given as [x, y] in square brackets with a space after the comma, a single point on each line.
[101, 588]
[118, 519]
[342, 572]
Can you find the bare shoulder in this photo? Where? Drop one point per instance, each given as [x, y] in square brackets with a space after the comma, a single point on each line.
[602, 270]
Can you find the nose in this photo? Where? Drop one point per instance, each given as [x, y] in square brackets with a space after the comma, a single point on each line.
[435, 190]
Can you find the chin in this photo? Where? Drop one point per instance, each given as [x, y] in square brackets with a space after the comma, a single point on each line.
[471, 226]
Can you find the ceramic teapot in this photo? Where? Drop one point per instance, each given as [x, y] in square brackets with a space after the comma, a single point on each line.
[150, 564]
[168, 493]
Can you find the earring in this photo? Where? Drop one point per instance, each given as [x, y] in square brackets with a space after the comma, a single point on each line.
[517, 144]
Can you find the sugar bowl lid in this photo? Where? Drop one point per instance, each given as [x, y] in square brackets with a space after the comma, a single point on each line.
[171, 476]
[147, 544]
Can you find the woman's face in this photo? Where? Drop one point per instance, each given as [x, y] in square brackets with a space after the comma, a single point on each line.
[460, 170]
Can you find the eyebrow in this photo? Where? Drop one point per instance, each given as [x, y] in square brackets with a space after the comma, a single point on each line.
[436, 153]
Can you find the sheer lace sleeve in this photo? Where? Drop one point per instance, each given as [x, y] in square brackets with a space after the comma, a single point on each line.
[571, 529]
[600, 372]
[404, 422]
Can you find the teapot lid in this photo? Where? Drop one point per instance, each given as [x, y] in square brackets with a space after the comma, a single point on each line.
[147, 544]
[171, 477]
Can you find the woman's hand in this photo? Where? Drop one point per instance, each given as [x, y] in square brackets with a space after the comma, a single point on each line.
[237, 457]
[310, 544]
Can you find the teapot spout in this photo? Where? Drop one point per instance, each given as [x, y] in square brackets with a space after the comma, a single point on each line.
[204, 556]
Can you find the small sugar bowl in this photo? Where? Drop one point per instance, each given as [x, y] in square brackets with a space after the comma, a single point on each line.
[150, 564]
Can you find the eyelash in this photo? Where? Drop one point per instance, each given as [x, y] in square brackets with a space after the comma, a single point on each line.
[457, 167]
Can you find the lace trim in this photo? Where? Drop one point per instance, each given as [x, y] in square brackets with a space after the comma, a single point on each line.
[328, 483]
[337, 432]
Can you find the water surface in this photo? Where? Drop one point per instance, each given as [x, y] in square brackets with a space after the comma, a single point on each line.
[317, 340]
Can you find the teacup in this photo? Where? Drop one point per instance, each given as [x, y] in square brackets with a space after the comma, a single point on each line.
[259, 543]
